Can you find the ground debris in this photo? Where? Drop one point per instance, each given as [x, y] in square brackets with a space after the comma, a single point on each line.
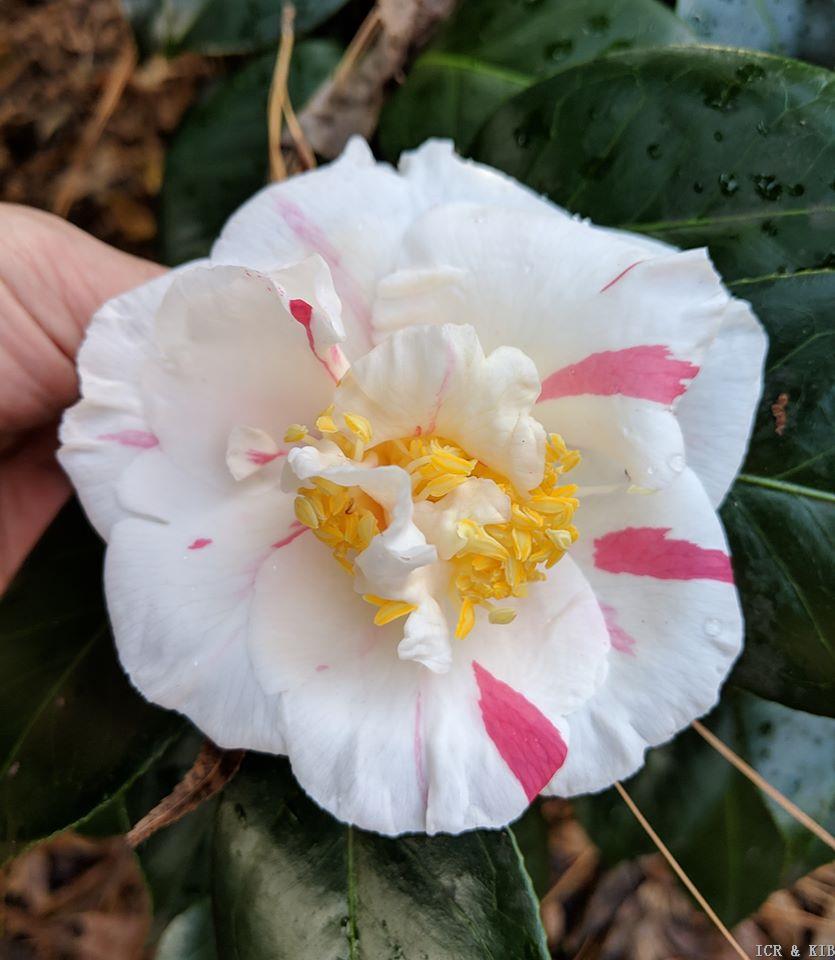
[74, 898]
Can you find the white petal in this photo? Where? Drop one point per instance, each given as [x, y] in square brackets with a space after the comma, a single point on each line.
[427, 379]
[179, 596]
[438, 175]
[617, 330]
[659, 567]
[107, 429]
[248, 450]
[717, 412]
[390, 746]
[351, 212]
[231, 354]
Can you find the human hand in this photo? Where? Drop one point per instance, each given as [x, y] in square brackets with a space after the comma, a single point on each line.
[53, 276]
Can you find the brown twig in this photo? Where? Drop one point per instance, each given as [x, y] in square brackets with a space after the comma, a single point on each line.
[300, 142]
[358, 46]
[680, 872]
[278, 92]
[109, 100]
[211, 771]
[759, 781]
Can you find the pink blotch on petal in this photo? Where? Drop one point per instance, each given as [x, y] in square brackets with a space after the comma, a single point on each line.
[296, 530]
[648, 372]
[142, 439]
[261, 458]
[526, 739]
[621, 640]
[646, 552]
[200, 542]
[321, 667]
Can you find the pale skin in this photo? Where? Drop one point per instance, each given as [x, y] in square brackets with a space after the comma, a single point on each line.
[53, 277]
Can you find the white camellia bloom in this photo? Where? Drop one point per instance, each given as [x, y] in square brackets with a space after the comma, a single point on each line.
[415, 480]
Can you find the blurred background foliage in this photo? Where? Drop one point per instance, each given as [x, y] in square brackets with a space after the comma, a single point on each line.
[710, 123]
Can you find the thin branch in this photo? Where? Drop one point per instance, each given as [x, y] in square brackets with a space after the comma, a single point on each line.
[759, 781]
[680, 871]
[300, 141]
[210, 772]
[117, 80]
[278, 92]
[356, 48]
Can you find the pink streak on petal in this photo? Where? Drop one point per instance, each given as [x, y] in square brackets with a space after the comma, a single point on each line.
[314, 237]
[417, 749]
[200, 543]
[142, 439]
[648, 373]
[526, 739]
[451, 360]
[620, 639]
[321, 667]
[302, 311]
[620, 276]
[261, 458]
[646, 552]
[296, 530]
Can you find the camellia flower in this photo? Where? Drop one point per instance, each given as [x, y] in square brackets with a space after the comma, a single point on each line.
[415, 480]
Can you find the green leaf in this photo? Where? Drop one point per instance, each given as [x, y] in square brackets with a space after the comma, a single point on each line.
[73, 732]
[219, 26]
[696, 146]
[780, 514]
[724, 832]
[291, 882]
[798, 28]
[189, 936]
[218, 157]
[489, 50]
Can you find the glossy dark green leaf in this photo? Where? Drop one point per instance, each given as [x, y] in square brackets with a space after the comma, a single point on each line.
[728, 837]
[73, 732]
[219, 26]
[189, 936]
[218, 157]
[796, 28]
[780, 514]
[696, 146]
[491, 49]
[291, 882]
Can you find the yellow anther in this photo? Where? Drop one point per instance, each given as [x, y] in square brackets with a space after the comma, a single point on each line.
[560, 538]
[451, 463]
[466, 619]
[359, 426]
[306, 512]
[295, 433]
[441, 486]
[328, 486]
[389, 609]
[326, 424]
[501, 615]
[479, 541]
[522, 543]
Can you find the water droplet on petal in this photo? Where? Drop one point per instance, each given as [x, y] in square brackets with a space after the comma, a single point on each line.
[713, 627]
[676, 463]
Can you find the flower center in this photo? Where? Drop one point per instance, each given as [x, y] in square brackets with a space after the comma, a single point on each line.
[491, 562]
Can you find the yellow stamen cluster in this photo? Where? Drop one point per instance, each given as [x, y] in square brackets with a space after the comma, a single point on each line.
[496, 562]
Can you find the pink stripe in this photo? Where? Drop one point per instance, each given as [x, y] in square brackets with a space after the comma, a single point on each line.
[261, 458]
[314, 237]
[620, 276]
[526, 739]
[443, 389]
[417, 749]
[646, 552]
[620, 639]
[648, 373]
[131, 438]
[321, 667]
[302, 311]
[296, 530]
[200, 542]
